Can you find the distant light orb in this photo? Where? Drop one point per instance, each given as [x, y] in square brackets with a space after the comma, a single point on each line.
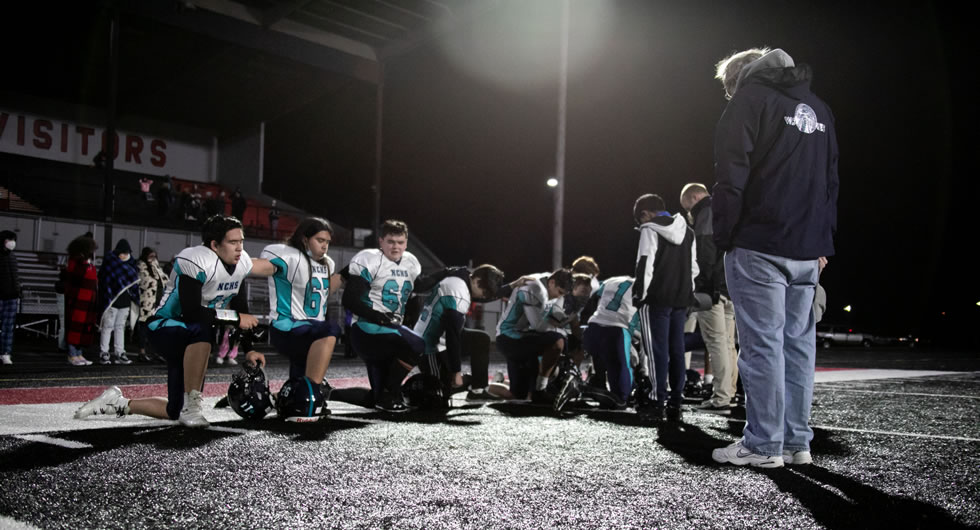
[552, 182]
[847, 308]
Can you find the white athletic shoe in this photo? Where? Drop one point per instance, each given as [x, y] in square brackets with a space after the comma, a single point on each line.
[798, 458]
[191, 415]
[739, 455]
[110, 402]
[232, 361]
[5, 359]
[219, 360]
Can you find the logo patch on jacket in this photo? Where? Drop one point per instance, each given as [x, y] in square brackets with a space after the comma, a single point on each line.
[805, 120]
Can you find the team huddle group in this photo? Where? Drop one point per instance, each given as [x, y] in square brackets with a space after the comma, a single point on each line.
[754, 255]
[541, 323]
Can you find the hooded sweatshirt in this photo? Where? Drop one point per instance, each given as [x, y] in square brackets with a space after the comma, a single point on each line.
[776, 164]
[665, 263]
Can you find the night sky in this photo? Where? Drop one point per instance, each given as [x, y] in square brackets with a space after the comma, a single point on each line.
[471, 120]
[470, 129]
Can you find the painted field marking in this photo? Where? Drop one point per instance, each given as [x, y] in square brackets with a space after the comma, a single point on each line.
[40, 438]
[865, 431]
[843, 389]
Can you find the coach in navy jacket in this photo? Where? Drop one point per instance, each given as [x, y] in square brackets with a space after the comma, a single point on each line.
[775, 164]
[774, 214]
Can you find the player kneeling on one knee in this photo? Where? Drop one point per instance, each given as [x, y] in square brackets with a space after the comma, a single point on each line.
[305, 277]
[379, 284]
[203, 289]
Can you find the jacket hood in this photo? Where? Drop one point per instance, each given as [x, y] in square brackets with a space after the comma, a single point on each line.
[777, 69]
[671, 228]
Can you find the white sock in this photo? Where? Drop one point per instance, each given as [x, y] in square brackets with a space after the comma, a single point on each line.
[708, 379]
[541, 383]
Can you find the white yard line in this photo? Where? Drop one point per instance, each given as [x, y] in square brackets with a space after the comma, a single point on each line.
[40, 438]
[845, 389]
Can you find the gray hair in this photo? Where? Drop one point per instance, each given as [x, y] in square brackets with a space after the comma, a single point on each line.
[727, 69]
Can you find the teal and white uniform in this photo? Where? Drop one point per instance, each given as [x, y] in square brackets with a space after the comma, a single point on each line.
[452, 294]
[202, 264]
[524, 311]
[299, 288]
[391, 284]
[615, 303]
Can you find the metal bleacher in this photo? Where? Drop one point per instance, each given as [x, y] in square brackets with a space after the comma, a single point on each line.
[38, 272]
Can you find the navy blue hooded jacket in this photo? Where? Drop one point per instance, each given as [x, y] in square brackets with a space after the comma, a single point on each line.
[776, 165]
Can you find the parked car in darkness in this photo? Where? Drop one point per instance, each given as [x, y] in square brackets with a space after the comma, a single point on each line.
[834, 335]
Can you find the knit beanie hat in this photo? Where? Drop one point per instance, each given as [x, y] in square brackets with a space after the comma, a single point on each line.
[122, 247]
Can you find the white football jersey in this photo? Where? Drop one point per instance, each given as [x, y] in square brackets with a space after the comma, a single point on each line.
[295, 294]
[391, 282]
[615, 303]
[452, 294]
[523, 310]
[202, 264]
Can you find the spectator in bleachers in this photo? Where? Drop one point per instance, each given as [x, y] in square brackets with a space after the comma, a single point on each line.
[238, 205]
[221, 203]
[118, 288]
[81, 290]
[185, 204]
[165, 197]
[274, 220]
[9, 295]
[145, 184]
[152, 279]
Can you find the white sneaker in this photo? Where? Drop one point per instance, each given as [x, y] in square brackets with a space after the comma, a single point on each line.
[799, 458]
[739, 455]
[5, 359]
[110, 402]
[122, 358]
[191, 415]
[219, 360]
[232, 362]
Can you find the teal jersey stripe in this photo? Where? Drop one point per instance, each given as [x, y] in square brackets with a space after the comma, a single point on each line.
[374, 329]
[509, 325]
[433, 329]
[627, 349]
[171, 309]
[284, 289]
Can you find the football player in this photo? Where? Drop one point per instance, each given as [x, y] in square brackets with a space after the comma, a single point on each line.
[440, 322]
[608, 336]
[523, 335]
[379, 284]
[304, 278]
[203, 288]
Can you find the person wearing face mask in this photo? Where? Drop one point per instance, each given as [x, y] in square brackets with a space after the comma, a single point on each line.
[152, 279]
[118, 287]
[81, 289]
[9, 295]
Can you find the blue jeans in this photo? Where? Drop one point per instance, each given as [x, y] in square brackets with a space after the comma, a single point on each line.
[773, 299]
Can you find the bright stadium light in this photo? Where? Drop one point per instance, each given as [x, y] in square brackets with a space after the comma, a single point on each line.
[847, 308]
[552, 182]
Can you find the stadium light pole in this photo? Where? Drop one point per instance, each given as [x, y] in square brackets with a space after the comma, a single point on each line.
[110, 141]
[556, 257]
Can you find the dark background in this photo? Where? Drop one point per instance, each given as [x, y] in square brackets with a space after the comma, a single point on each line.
[470, 128]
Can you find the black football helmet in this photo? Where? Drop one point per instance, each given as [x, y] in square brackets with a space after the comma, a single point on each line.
[425, 391]
[300, 400]
[249, 393]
